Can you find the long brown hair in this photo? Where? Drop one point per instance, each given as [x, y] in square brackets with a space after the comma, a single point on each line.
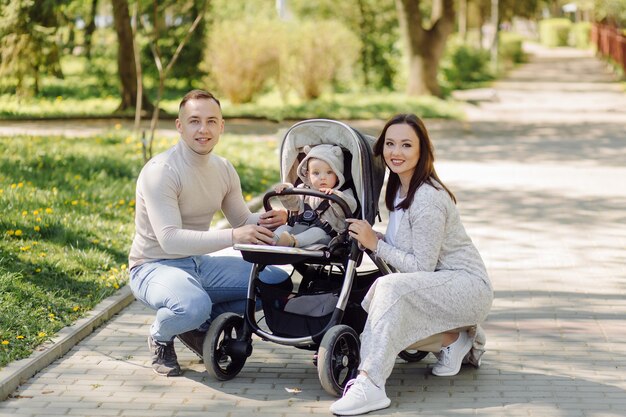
[425, 169]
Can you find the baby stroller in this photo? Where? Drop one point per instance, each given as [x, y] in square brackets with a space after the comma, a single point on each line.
[319, 308]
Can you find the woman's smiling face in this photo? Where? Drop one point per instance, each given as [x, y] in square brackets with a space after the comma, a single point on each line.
[401, 150]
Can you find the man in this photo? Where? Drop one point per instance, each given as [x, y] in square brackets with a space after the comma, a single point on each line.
[178, 192]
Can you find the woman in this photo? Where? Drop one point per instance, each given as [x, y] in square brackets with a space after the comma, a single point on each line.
[441, 284]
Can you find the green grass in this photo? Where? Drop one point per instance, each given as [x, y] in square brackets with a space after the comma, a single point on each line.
[67, 224]
[345, 106]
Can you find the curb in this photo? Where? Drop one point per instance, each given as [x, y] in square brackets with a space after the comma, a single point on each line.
[20, 371]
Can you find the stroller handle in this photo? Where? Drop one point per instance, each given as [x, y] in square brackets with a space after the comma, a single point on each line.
[306, 191]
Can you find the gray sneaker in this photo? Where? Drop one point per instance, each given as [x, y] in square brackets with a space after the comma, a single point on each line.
[164, 359]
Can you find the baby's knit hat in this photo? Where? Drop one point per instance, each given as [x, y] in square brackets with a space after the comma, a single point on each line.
[331, 154]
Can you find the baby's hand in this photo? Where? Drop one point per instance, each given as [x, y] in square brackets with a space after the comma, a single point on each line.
[280, 188]
[327, 191]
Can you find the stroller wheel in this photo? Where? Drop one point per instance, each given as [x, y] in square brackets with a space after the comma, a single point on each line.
[410, 355]
[338, 358]
[225, 351]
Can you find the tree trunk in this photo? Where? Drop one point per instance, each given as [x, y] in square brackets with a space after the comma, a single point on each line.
[424, 47]
[90, 28]
[126, 57]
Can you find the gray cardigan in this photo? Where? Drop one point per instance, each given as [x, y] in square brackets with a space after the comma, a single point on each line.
[431, 238]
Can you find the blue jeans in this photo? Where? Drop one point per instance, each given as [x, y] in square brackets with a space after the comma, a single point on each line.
[189, 292]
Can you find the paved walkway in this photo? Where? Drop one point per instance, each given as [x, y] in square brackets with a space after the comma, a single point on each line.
[539, 171]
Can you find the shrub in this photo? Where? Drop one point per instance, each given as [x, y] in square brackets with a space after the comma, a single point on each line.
[580, 35]
[315, 55]
[554, 32]
[510, 47]
[242, 56]
[463, 64]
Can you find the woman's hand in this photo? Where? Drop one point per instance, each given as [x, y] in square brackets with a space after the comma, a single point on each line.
[362, 232]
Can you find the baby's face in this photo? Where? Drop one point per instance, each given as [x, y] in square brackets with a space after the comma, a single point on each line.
[321, 174]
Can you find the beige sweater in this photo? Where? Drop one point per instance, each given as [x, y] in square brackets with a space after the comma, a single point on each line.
[178, 192]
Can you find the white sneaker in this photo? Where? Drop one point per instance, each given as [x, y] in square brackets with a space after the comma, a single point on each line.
[451, 356]
[359, 397]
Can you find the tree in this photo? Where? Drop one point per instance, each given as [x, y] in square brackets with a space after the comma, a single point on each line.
[424, 47]
[163, 70]
[126, 58]
[28, 45]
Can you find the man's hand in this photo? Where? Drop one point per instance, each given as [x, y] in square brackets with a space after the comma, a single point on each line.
[252, 233]
[273, 218]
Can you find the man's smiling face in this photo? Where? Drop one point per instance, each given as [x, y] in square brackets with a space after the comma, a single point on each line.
[200, 124]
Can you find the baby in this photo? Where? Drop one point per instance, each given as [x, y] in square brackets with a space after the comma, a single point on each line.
[319, 219]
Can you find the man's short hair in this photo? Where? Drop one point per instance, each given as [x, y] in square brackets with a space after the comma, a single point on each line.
[196, 95]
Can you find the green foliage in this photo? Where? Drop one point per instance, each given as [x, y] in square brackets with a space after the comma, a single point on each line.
[242, 57]
[510, 47]
[554, 32]
[463, 66]
[611, 11]
[314, 55]
[374, 22]
[28, 42]
[305, 57]
[581, 35]
[174, 20]
[67, 224]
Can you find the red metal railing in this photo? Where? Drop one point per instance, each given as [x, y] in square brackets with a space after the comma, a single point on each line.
[610, 43]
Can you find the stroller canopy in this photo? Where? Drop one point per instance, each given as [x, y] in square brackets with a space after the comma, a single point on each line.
[367, 171]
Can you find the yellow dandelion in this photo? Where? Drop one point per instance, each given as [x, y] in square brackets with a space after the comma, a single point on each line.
[20, 184]
[248, 197]
[123, 267]
[24, 213]
[76, 308]
[77, 177]
[35, 212]
[19, 336]
[36, 228]
[128, 140]
[5, 342]
[74, 202]
[38, 270]
[42, 255]
[38, 219]
[13, 186]
[48, 210]
[18, 232]
[1, 191]
[59, 98]
[25, 248]
[41, 334]
[10, 232]
[121, 202]
[95, 241]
